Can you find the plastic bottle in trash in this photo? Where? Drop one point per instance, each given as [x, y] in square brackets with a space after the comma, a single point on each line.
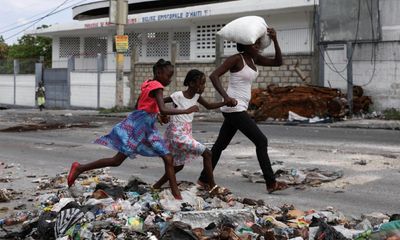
[119, 206]
[113, 208]
[13, 220]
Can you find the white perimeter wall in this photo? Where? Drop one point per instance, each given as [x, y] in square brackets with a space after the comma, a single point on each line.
[25, 89]
[84, 89]
[383, 84]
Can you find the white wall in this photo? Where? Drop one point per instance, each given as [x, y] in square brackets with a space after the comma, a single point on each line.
[389, 19]
[25, 89]
[7, 89]
[107, 90]
[25, 92]
[382, 84]
[84, 89]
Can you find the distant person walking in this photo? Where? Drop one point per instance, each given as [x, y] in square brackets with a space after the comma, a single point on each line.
[243, 72]
[41, 96]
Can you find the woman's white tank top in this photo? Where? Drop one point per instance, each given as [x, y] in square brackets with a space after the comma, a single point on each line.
[239, 87]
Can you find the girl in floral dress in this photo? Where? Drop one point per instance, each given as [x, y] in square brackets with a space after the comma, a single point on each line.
[178, 135]
[137, 134]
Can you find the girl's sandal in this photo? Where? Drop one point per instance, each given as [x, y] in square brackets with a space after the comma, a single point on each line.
[219, 191]
[277, 186]
[72, 172]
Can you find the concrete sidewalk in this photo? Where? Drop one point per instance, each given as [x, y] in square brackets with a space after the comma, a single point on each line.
[213, 116]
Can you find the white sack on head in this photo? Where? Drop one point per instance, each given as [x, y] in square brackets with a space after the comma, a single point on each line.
[246, 30]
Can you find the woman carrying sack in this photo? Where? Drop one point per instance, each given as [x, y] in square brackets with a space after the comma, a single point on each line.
[243, 72]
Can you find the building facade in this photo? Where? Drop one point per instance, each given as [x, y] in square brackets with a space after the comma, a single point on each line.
[192, 28]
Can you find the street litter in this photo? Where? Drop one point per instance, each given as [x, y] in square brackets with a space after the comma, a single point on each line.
[5, 195]
[292, 176]
[45, 126]
[100, 206]
[293, 117]
[361, 162]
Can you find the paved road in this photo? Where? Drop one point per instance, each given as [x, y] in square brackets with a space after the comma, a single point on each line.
[373, 187]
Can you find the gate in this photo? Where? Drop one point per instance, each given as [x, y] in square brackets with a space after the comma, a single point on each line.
[57, 87]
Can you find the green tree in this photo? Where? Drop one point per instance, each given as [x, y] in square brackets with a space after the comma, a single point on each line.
[6, 66]
[31, 47]
[3, 48]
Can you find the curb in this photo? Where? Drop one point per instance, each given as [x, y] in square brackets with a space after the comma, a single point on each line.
[217, 117]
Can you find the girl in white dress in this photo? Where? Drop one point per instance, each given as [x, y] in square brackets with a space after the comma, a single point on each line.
[178, 135]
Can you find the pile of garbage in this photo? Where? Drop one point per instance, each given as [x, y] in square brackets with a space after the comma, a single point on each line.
[307, 101]
[292, 176]
[100, 206]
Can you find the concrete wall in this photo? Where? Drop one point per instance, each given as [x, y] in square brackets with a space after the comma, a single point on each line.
[25, 90]
[25, 94]
[282, 76]
[377, 73]
[375, 65]
[7, 89]
[84, 84]
[84, 89]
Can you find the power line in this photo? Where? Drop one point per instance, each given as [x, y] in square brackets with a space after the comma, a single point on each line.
[47, 15]
[333, 67]
[20, 25]
[38, 19]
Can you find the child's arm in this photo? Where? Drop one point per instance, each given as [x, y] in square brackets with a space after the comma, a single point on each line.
[158, 93]
[168, 100]
[209, 105]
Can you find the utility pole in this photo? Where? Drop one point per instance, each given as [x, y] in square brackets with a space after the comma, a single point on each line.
[349, 50]
[119, 15]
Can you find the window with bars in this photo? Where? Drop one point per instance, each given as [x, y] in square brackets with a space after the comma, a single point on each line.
[69, 46]
[95, 45]
[135, 40]
[205, 41]
[157, 44]
[183, 39]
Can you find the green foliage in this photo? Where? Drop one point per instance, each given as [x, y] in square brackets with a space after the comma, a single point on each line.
[391, 114]
[28, 49]
[3, 48]
[31, 47]
[6, 66]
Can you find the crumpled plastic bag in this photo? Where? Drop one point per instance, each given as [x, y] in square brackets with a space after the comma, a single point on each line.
[168, 201]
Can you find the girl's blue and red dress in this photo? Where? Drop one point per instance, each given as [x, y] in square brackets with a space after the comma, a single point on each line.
[137, 133]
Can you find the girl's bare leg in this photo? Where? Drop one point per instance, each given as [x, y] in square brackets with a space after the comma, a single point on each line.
[164, 178]
[207, 166]
[169, 171]
[77, 169]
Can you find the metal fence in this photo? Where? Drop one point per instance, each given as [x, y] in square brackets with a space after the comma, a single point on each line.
[6, 66]
[19, 66]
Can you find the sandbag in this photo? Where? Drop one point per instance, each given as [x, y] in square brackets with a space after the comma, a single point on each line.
[246, 30]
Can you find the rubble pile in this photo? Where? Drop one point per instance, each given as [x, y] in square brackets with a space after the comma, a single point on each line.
[308, 101]
[297, 177]
[100, 206]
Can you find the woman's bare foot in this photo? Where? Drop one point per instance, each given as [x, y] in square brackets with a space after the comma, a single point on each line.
[202, 185]
[276, 186]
